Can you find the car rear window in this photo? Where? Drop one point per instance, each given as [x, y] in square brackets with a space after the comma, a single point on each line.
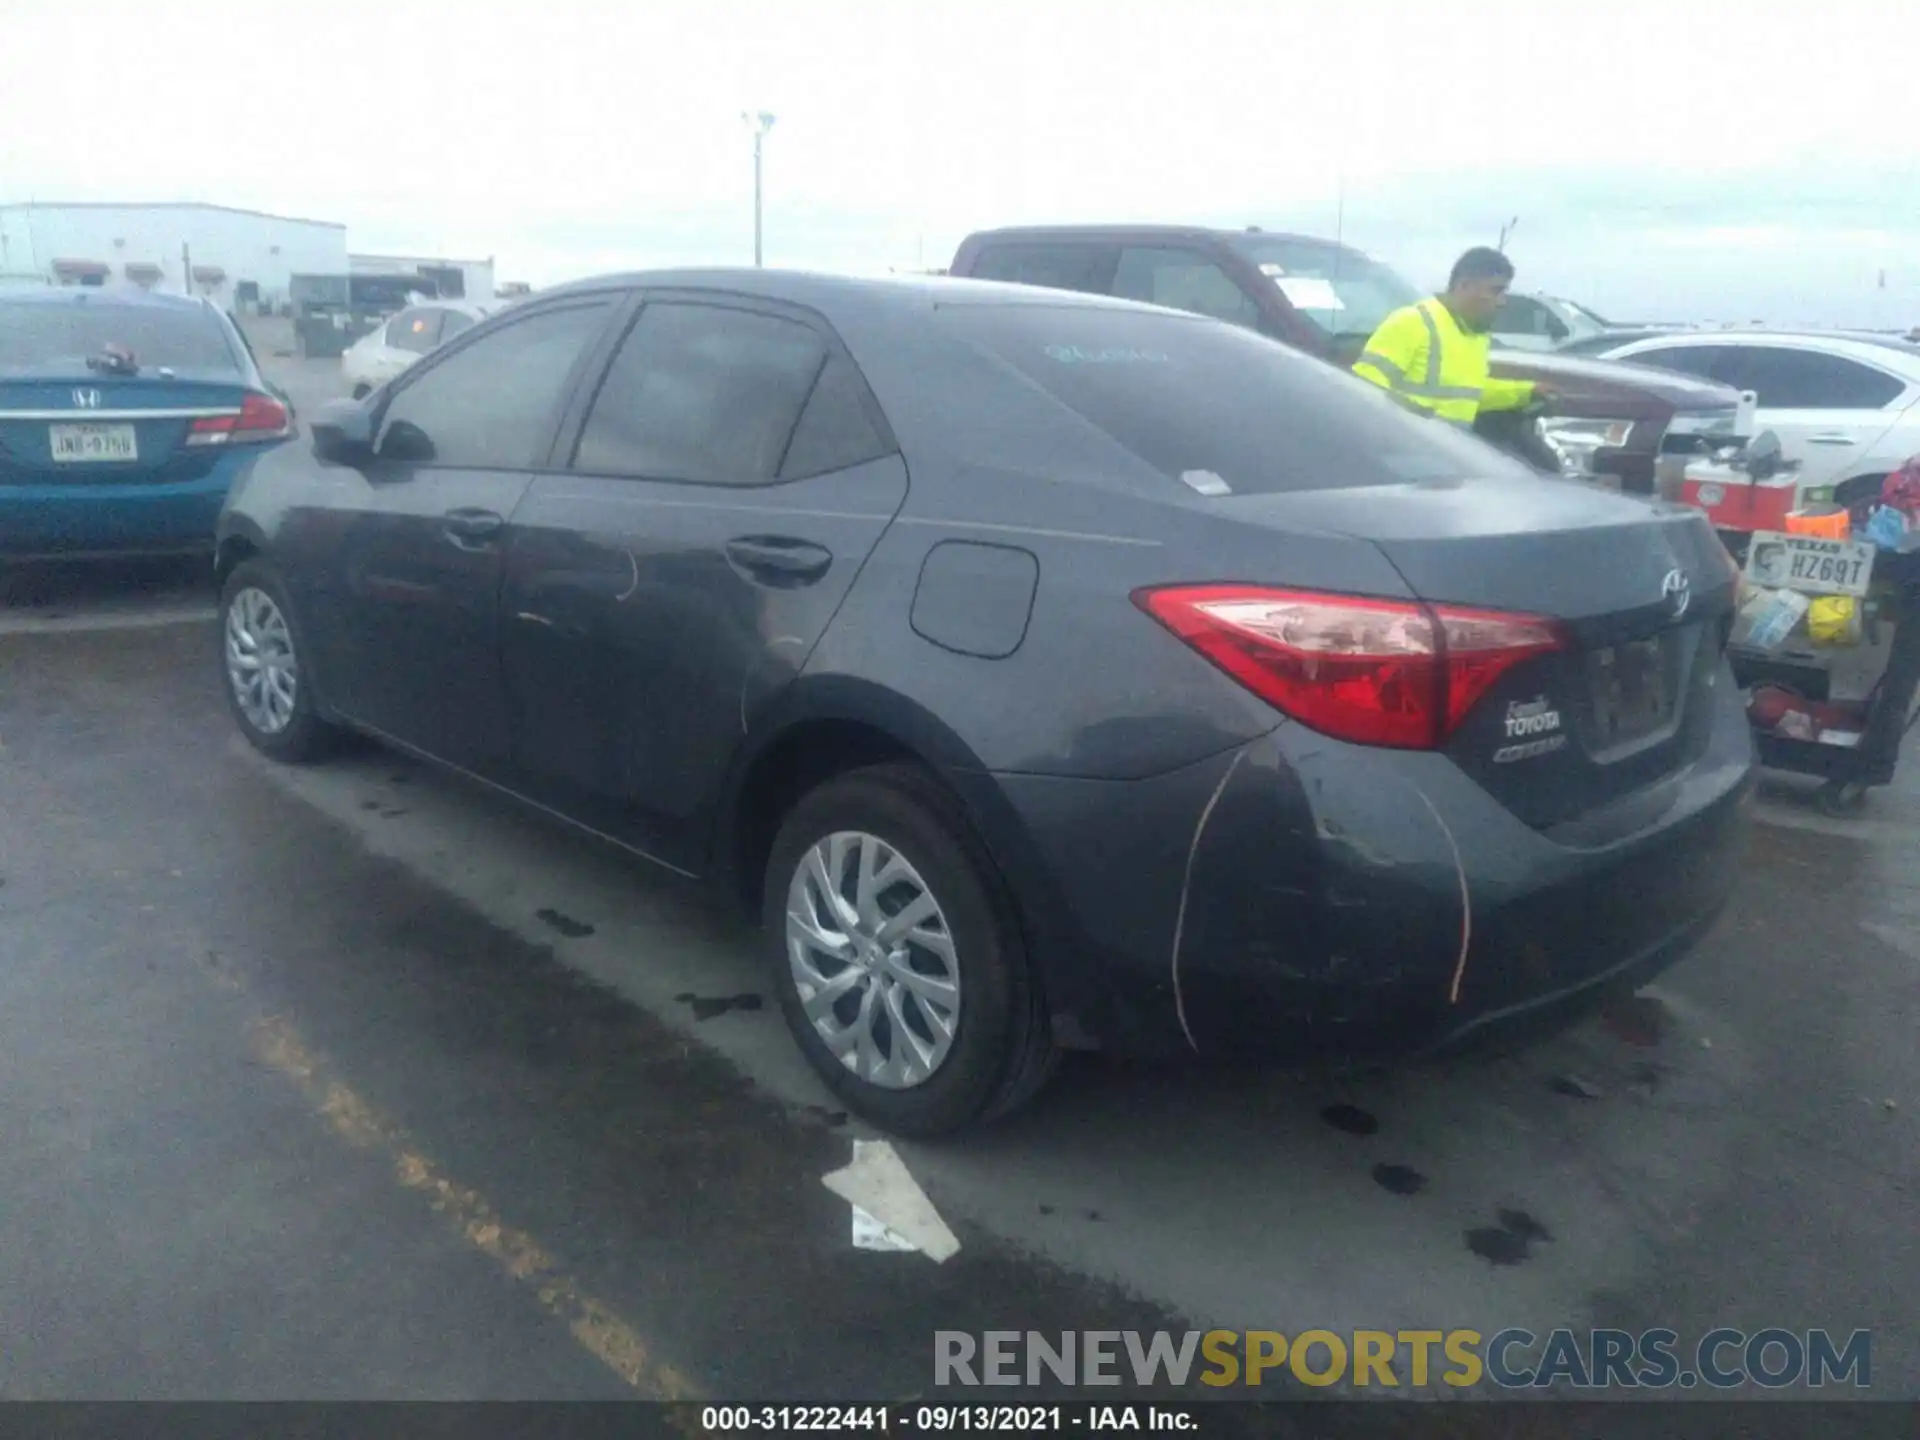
[60, 338]
[1216, 406]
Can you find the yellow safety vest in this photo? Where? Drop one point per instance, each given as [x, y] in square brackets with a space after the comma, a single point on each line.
[1422, 358]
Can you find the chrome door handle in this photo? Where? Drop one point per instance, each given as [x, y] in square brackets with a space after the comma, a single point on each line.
[779, 560]
[1832, 438]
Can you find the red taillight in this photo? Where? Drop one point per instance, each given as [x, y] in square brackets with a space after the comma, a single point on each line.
[1376, 672]
[260, 418]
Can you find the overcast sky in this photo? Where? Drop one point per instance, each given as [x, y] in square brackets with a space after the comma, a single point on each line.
[1685, 160]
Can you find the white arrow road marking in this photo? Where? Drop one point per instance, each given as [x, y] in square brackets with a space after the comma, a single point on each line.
[890, 1210]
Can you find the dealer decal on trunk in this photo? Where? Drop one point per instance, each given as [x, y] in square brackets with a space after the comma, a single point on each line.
[1534, 726]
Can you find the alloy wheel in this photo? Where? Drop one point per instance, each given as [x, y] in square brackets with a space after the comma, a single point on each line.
[873, 960]
[261, 665]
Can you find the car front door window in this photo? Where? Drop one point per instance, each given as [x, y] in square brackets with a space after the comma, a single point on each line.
[492, 404]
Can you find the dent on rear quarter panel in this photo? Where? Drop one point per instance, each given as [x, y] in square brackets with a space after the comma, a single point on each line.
[1325, 898]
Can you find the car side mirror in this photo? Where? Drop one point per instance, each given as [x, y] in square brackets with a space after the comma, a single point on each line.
[407, 443]
[343, 432]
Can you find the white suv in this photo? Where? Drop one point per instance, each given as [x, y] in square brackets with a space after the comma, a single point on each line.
[1845, 405]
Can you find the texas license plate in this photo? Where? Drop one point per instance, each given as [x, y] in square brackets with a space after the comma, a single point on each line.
[1809, 563]
[1632, 692]
[83, 444]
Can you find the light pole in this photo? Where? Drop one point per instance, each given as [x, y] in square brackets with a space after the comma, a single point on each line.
[1507, 230]
[761, 123]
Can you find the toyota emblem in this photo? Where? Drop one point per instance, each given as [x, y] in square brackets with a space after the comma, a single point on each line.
[1677, 592]
[87, 399]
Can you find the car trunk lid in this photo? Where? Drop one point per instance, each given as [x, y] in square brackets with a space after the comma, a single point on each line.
[1642, 593]
[104, 428]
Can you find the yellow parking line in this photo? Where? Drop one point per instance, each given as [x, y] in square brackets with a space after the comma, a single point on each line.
[594, 1324]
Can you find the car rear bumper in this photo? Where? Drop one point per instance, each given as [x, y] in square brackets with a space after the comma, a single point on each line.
[1306, 900]
[59, 521]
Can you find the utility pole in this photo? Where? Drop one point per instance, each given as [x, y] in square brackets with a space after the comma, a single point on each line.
[186, 268]
[761, 123]
[1506, 230]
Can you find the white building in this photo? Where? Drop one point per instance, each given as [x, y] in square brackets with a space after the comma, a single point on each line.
[237, 257]
[453, 279]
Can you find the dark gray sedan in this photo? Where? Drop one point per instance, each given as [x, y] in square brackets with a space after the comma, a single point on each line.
[1048, 672]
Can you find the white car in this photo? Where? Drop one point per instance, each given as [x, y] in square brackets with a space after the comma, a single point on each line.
[1846, 406]
[379, 355]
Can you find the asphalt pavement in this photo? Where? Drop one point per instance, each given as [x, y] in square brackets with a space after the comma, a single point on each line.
[350, 1081]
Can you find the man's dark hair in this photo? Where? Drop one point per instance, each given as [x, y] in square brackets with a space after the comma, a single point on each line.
[1483, 262]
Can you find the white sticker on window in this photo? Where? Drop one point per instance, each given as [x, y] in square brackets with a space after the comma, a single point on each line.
[1270, 269]
[1309, 292]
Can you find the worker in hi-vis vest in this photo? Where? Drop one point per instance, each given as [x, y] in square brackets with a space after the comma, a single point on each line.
[1432, 357]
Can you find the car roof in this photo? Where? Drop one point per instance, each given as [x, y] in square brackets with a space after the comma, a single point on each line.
[862, 296]
[133, 298]
[942, 395]
[1883, 348]
[1095, 232]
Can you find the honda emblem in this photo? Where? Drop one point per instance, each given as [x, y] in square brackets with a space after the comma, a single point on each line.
[87, 399]
[1677, 592]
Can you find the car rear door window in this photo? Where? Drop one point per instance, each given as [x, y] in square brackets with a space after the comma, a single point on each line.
[416, 330]
[1216, 406]
[702, 393]
[493, 404]
[452, 323]
[1182, 278]
[1056, 265]
[1788, 379]
[838, 429]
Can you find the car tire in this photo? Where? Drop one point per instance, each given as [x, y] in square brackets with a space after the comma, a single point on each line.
[256, 620]
[1000, 1053]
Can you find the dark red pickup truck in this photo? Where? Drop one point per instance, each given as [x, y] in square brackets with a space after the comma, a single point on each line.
[1326, 298]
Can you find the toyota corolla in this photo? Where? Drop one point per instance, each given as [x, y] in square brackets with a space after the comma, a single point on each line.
[1047, 672]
